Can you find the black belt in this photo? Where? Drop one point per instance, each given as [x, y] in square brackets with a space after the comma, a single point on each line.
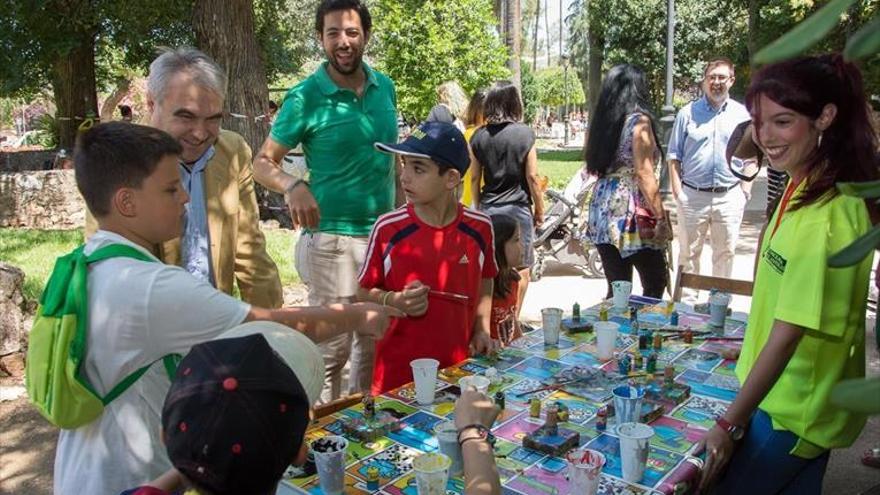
[719, 189]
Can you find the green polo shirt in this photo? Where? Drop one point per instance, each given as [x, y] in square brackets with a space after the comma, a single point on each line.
[794, 284]
[352, 182]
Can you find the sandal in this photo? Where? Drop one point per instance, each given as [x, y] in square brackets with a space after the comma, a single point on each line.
[871, 458]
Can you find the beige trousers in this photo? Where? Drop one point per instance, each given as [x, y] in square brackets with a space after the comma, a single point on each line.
[329, 264]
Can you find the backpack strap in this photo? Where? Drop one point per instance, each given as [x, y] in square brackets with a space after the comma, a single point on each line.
[117, 251]
[78, 344]
[170, 362]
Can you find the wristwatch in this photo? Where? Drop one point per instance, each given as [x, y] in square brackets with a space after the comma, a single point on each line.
[482, 433]
[736, 432]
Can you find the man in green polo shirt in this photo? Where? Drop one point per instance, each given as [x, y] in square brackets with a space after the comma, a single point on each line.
[337, 114]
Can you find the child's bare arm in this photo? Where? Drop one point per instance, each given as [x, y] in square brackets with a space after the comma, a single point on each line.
[481, 342]
[169, 481]
[321, 323]
[412, 300]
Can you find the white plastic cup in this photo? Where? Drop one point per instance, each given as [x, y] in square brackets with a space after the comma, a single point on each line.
[634, 438]
[584, 471]
[425, 378]
[606, 339]
[621, 290]
[627, 404]
[329, 455]
[432, 473]
[447, 438]
[718, 303]
[551, 320]
[481, 383]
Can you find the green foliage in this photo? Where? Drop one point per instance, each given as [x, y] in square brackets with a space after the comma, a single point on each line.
[805, 34]
[635, 31]
[530, 93]
[285, 30]
[552, 87]
[39, 33]
[48, 131]
[856, 395]
[422, 44]
[865, 42]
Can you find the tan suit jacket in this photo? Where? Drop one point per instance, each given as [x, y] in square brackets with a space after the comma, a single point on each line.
[238, 246]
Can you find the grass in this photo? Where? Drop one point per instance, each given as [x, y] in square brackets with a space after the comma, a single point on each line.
[559, 166]
[35, 251]
[279, 244]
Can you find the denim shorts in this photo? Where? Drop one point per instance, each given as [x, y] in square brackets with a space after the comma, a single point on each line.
[523, 216]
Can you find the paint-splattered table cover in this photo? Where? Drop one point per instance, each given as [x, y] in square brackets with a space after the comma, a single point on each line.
[522, 367]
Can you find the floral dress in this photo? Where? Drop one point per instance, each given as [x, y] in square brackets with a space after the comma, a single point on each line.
[611, 217]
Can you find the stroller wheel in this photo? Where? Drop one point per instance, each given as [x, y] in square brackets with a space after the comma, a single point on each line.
[594, 264]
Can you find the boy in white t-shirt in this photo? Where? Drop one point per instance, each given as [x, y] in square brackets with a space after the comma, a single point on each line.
[141, 311]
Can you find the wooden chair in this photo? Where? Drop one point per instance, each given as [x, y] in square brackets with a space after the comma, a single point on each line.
[337, 405]
[705, 282]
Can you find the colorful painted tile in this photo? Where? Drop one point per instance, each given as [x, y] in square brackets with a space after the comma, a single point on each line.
[675, 435]
[407, 393]
[418, 431]
[660, 461]
[701, 410]
[516, 429]
[699, 359]
[406, 485]
[393, 462]
[538, 368]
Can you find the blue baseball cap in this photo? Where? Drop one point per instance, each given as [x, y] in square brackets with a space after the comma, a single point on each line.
[437, 141]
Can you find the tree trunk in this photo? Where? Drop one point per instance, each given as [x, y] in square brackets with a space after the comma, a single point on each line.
[225, 31]
[547, 32]
[535, 38]
[513, 39]
[754, 10]
[597, 59]
[73, 84]
[109, 105]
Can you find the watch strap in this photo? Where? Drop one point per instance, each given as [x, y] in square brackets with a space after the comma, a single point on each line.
[733, 430]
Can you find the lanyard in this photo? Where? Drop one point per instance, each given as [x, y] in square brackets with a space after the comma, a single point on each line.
[789, 191]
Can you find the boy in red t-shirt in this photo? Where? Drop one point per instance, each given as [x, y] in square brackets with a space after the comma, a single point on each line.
[433, 259]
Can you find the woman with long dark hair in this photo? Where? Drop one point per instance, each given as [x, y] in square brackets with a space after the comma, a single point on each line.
[806, 327]
[627, 223]
[505, 161]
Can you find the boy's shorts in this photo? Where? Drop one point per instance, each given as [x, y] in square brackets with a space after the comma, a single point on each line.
[523, 216]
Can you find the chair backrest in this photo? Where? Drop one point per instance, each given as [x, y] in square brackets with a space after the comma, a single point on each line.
[337, 405]
[705, 282]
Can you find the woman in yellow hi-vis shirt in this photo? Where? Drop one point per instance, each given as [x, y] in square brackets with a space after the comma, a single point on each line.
[806, 326]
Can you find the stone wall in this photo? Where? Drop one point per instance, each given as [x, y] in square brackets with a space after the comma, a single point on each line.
[12, 160]
[41, 200]
[12, 310]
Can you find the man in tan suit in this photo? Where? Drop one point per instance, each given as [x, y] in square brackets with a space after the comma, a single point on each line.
[221, 242]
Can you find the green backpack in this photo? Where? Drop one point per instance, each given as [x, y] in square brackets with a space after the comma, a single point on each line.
[54, 377]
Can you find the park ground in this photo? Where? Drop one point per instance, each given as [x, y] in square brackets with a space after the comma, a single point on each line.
[27, 442]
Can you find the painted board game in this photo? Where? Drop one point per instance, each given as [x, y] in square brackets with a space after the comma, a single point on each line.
[566, 377]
